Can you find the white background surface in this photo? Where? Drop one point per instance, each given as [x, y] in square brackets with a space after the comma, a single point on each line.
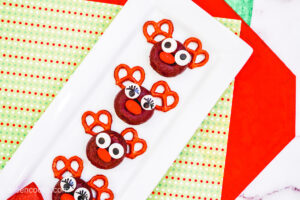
[277, 22]
[92, 87]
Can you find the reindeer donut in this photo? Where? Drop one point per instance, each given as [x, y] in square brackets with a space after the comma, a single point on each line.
[73, 187]
[135, 104]
[107, 149]
[169, 57]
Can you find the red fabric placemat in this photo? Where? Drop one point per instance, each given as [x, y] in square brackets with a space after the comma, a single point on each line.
[263, 111]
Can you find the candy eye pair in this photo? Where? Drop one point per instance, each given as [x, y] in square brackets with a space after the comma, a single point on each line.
[115, 150]
[68, 185]
[182, 57]
[133, 91]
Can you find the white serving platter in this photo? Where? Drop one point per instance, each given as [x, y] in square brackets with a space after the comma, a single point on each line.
[92, 87]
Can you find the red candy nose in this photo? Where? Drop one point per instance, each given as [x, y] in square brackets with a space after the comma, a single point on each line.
[103, 155]
[133, 107]
[167, 57]
[66, 197]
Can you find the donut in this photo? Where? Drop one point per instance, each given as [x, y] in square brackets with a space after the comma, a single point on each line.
[131, 110]
[169, 57]
[134, 104]
[71, 187]
[80, 191]
[106, 150]
[165, 63]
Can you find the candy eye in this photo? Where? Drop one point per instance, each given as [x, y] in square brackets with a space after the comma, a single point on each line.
[169, 45]
[103, 140]
[148, 102]
[182, 58]
[133, 91]
[82, 194]
[116, 151]
[68, 184]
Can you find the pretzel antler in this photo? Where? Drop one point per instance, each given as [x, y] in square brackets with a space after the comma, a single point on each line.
[135, 139]
[102, 189]
[164, 96]
[96, 117]
[198, 51]
[157, 30]
[58, 173]
[129, 76]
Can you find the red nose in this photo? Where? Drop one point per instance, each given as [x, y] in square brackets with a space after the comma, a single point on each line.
[133, 107]
[66, 197]
[167, 57]
[103, 155]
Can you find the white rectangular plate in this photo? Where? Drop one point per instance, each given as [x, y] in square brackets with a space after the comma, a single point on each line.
[92, 87]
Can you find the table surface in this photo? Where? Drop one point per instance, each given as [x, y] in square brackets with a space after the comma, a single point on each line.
[277, 23]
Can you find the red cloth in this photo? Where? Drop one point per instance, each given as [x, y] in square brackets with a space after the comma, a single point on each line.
[263, 111]
[30, 192]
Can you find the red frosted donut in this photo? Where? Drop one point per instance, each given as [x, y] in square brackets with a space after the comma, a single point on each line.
[169, 57]
[165, 63]
[73, 189]
[106, 150]
[71, 186]
[135, 104]
[132, 111]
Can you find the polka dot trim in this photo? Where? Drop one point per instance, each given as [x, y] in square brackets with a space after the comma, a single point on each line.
[33, 76]
[21, 108]
[57, 10]
[38, 59]
[16, 125]
[192, 180]
[51, 27]
[205, 147]
[45, 43]
[27, 92]
[183, 196]
[198, 163]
